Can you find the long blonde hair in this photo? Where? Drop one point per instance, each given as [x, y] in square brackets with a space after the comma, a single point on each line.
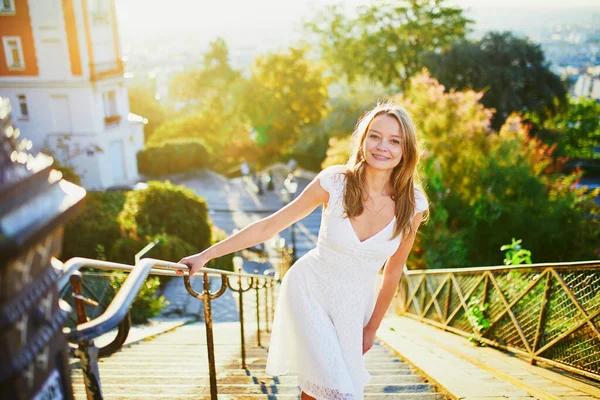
[404, 177]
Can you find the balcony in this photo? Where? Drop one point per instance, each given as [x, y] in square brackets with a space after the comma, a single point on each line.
[108, 69]
[112, 120]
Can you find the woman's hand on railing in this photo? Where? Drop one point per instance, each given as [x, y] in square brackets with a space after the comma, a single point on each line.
[195, 262]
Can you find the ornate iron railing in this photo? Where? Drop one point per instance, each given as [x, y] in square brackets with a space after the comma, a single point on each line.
[545, 312]
[88, 329]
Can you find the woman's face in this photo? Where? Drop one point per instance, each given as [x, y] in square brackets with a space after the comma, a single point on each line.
[383, 142]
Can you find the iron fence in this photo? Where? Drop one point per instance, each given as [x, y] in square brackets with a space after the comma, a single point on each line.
[545, 312]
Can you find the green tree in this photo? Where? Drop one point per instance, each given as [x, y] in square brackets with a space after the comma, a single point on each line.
[576, 129]
[511, 71]
[198, 88]
[386, 41]
[225, 134]
[497, 186]
[213, 110]
[286, 94]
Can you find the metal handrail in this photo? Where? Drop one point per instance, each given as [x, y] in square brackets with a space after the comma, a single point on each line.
[559, 265]
[117, 309]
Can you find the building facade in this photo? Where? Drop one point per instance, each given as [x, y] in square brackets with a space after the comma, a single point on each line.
[61, 68]
[587, 86]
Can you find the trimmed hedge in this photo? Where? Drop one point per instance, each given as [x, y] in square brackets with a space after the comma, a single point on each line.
[147, 304]
[173, 157]
[93, 233]
[170, 248]
[164, 208]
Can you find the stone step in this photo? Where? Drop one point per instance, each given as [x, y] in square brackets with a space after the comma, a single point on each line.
[227, 378]
[234, 359]
[224, 388]
[232, 355]
[377, 396]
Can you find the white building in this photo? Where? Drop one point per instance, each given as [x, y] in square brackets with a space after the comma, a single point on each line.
[587, 86]
[60, 66]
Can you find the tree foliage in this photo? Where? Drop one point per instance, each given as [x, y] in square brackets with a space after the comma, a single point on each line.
[496, 186]
[287, 93]
[198, 88]
[511, 71]
[386, 41]
[576, 128]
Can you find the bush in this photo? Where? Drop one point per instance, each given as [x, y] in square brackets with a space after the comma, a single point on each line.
[125, 249]
[172, 157]
[94, 231]
[170, 248]
[146, 304]
[164, 208]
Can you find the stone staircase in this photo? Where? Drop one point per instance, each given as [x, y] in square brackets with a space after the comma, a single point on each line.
[174, 365]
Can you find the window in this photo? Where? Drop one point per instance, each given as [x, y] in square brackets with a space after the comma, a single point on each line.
[111, 116]
[23, 106]
[110, 103]
[7, 6]
[99, 11]
[13, 52]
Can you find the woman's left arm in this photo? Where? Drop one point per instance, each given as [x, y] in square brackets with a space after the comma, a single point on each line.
[392, 273]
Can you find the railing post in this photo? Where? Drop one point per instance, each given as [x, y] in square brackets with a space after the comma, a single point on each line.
[268, 285]
[207, 296]
[423, 295]
[88, 356]
[242, 336]
[240, 290]
[209, 338]
[87, 351]
[257, 287]
[75, 280]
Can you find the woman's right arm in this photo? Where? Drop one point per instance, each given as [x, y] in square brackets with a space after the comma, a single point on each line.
[257, 232]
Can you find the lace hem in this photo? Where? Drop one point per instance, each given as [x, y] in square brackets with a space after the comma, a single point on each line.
[319, 392]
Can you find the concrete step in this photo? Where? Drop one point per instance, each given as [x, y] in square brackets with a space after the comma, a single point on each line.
[202, 388]
[145, 378]
[380, 396]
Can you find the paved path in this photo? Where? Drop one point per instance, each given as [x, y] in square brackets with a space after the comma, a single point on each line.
[471, 372]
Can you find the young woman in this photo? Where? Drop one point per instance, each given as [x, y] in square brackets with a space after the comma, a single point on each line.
[326, 315]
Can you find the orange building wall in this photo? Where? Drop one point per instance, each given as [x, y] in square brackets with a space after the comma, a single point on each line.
[88, 38]
[19, 24]
[72, 40]
[116, 37]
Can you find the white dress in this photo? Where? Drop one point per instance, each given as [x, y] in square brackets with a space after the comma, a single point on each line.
[325, 300]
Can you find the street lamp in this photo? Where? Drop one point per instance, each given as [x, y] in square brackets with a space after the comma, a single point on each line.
[291, 186]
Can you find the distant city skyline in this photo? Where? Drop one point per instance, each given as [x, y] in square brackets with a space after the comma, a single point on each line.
[240, 15]
[162, 30]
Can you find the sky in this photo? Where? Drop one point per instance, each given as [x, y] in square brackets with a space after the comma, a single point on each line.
[244, 23]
